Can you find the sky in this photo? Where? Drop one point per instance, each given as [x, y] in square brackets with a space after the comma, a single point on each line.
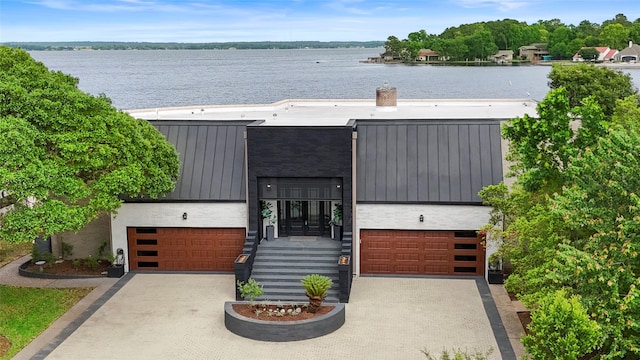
[278, 20]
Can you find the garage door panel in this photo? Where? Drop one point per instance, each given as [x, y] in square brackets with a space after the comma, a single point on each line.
[404, 257]
[435, 269]
[197, 249]
[421, 252]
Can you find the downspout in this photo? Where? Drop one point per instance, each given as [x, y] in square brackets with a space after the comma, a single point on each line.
[355, 245]
[246, 178]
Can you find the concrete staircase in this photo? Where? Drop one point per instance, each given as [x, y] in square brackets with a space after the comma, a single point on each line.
[281, 264]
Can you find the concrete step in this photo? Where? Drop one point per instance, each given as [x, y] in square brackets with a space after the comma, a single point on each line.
[299, 252]
[285, 278]
[294, 266]
[298, 299]
[279, 268]
[293, 271]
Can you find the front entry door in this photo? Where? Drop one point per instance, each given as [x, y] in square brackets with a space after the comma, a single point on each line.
[305, 218]
[297, 215]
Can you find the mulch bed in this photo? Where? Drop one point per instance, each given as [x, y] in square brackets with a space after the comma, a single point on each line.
[66, 267]
[525, 319]
[250, 312]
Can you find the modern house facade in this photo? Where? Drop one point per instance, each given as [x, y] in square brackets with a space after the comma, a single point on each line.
[406, 175]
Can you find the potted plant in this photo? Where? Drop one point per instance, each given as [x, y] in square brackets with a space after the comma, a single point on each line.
[116, 269]
[316, 287]
[336, 223]
[495, 274]
[270, 217]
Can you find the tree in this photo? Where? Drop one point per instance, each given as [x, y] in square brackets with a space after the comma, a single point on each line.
[68, 156]
[576, 237]
[589, 53]
[393, 46]
[561, 329]
[602, 264]
[581, 81]
[480, 45]
[559, 41]
[615, 36]
[454, 48]
[542, 147]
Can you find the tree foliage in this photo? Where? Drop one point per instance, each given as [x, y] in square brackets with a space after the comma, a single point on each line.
[561, 329]
[572, 219]
[67, 156]
[584, 80]
[482, 39]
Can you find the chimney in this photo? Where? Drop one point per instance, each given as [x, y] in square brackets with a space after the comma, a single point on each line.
[630, 43]
[386, 98]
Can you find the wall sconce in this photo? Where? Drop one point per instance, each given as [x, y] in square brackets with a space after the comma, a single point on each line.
[184, 216]
[421, 218]
[338, 186]
[269, 187]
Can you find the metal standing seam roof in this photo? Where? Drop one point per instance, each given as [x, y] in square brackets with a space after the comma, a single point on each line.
[211, 159]
[421, 151]
[428, 161]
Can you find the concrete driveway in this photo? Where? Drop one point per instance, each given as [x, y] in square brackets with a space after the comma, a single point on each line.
[181, 316]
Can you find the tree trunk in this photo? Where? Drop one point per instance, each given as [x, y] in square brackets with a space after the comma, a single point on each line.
[314, 303]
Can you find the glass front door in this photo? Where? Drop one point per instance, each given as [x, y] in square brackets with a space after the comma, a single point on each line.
[305, 218]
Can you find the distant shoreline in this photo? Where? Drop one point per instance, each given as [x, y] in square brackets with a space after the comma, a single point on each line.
[256, 45]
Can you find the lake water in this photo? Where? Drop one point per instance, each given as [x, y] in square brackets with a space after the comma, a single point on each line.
[149, 79]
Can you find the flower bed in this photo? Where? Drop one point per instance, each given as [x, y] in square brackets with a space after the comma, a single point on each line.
[288, 327]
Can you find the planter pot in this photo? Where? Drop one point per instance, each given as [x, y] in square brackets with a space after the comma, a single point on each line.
[115, 271]
[278, 331]
[337, 232]
[270, 232]
[496, 277]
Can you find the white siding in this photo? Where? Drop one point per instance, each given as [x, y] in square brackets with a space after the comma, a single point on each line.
[199, 215]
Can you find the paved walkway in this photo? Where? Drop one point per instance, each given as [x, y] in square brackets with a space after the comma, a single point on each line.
[181, 316]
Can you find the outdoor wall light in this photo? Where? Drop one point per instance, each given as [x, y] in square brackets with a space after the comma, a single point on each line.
[421, 218]
[184, 216]
[269, 186]
[338, 186]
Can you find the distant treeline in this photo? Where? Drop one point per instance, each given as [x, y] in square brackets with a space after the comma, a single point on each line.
[481, 39]
[93, 45]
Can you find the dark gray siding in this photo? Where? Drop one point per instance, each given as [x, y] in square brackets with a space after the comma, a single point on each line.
[211, 159]
[427, 161]
[299, 152]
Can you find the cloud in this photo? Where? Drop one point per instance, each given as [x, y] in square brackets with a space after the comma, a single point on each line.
[122, 6]
[502, 5]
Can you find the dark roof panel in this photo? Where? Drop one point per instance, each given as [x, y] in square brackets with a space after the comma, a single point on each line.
[431, 161]
[211, 157]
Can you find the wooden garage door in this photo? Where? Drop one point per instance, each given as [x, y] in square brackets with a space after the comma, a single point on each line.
[194, 249]
[421, 252]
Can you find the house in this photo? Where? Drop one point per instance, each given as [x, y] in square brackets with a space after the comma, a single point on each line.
[428, 55]
[533, 52]
[406, 173]
[629, 54]
[503, 56]
[605, 54]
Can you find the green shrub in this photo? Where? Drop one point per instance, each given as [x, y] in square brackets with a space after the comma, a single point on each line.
[251, 289]
[67, 250]
[561, 329]
[76, 263]
[458, 355]
[316, 285]
[91, 262]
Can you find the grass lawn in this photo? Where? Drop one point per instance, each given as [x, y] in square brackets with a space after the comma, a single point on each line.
[10, 251]
[26, 312]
